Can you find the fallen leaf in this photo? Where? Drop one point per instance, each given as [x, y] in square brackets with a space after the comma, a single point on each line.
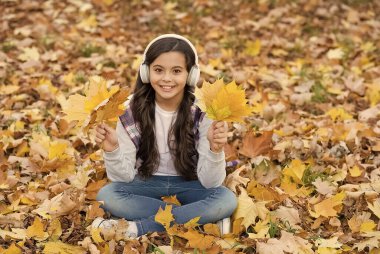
[171, 200]
[198, 241]
[254, 145]
[252, 48]
[375, 207]
[164, 216]
[328, 207]
[335, 53]
[57, 247]
[234, 179]
[338, 114]
[295, 170]
[249, 210]
[36, 230]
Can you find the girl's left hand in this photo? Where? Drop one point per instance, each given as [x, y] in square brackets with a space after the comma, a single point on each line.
[217, 136]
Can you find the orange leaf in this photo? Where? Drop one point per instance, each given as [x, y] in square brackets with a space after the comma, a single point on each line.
[212, 229]
[171, 200]
[93, 188]
[329, 207]
[199, 241]
[109, 109]
[264, 193]
[94, 211]
[254, 146]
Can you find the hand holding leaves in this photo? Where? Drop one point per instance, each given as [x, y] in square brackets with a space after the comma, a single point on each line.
[106, 137]
[217, 136]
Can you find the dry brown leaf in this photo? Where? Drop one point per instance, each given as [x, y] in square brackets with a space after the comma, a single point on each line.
[254, 145]
[234, 179]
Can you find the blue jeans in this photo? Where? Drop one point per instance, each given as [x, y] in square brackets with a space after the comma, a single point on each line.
[140, 200]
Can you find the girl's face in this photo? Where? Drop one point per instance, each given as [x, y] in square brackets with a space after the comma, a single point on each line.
[168, 76]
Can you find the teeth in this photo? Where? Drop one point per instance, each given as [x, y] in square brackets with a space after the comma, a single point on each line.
[166, 87]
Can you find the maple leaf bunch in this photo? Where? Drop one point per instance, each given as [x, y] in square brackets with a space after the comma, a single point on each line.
[223, 102]
[97, 105]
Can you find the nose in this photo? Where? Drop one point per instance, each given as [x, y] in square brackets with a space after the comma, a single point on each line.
[167, 77]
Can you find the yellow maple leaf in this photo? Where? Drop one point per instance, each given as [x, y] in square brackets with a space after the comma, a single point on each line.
[262, 228]
[223, 102]
[198, 240]
[164, 217]
[13, 249]
[36, 230]
[192, 223]
[355, 171]
[46, 88]
[295, 170]
[56, 247]
[207, 93]
[55, 229]
[252, 48]
[367, 226]
[329, 207]
[88, 24]
[108, 110]
[373, 93]
[171, 200]
[97, 105]
[293, 189]
[57, 150]
[97, 92]
[263, 193]
[338, 114]
[212, 229]
[249, 210]
[69, 79]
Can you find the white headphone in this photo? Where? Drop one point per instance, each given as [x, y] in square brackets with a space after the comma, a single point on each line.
[194, 73]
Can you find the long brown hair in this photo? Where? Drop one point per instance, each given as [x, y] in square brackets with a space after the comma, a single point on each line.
[181, 135]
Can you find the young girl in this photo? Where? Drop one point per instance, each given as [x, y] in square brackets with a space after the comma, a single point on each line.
[163, 146]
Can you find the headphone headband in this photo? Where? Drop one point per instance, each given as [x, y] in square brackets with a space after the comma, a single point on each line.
[175, 36]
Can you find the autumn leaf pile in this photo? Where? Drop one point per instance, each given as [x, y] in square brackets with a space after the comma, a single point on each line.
[309, 153]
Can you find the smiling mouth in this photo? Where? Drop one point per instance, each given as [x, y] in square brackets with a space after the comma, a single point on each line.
[167, 88]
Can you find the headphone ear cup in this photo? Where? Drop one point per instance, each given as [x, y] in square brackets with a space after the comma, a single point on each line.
[193, 77]
[144, 73]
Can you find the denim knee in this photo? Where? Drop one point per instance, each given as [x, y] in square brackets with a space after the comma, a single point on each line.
[104, 192]
[230, 201]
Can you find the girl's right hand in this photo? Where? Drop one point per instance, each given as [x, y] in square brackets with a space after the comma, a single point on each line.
[106, 137]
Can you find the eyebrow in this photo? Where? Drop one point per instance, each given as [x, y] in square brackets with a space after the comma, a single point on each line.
[157, 65]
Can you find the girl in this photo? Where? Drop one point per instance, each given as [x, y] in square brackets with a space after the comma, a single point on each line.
[163, 145]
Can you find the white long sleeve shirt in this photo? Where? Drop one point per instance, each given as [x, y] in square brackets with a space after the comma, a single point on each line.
[121, 163]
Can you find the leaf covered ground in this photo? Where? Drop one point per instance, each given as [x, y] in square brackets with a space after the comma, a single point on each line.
[308, 179]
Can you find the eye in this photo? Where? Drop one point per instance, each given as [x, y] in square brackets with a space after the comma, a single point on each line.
[158, 70]
[177, 71]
